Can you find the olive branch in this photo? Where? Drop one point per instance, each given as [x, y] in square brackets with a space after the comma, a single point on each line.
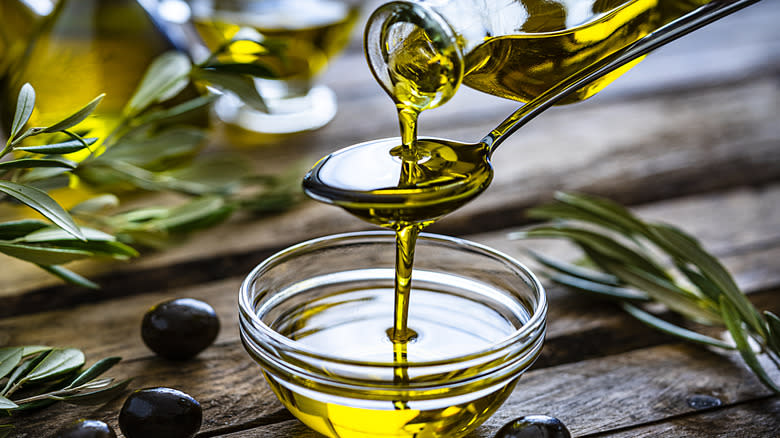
[624, 253]
[46, 375]
[153, 148]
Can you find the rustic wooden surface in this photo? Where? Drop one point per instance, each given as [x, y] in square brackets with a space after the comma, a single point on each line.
[691, 137]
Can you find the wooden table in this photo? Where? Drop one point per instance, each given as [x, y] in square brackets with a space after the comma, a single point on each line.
[691, 137]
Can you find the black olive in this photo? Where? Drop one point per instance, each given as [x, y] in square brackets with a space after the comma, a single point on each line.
[160, 413]
[534, 426]
[86, 429]
[179, 329]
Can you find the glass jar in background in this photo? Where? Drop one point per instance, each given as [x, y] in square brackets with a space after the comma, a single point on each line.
[302, 36]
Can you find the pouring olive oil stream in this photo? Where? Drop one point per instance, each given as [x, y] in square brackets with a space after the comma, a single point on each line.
[417, 57]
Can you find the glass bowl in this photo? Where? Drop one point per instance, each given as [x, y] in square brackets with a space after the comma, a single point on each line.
[315, 318]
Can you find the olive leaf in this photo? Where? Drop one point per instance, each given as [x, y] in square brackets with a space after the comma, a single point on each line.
[733, 323]
[624, 247]
[15, 229]
[7, 404]
[176, 111]
[65, 147]
[94, 371]
[56, 363]
[98, 394]
[43, 204]
[242, 86]
[9, 359]
[69, 276]
[166, 76]
[42, 255]
[26, 163]
[24, 108]
[673, 329]
[773, 324]
[75, 118]
[22, 370]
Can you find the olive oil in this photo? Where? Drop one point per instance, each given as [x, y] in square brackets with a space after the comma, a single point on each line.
[328, 323]
[308, 33]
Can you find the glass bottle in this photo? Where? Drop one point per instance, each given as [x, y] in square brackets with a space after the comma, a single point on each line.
[82, 49]
[420, 51]
[17, 23]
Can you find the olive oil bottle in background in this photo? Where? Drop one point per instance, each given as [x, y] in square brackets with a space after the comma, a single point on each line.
[18, 21]
[82, 49]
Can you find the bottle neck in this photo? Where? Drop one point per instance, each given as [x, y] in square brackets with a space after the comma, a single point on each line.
[414, 54]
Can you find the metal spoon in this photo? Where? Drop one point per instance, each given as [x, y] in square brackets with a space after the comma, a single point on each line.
[346, 178]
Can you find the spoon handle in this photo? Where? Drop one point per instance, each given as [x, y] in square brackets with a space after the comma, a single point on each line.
[689, 22]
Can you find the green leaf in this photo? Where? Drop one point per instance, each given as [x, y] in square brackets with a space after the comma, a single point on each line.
[26, 163]
[75, 118]
[602, 289]
[43, 204]
[684, 247]
[166, 76]
[157, 152]
[22, 370]
[241, 86]
[7, 404]
[57, 362]
[97, 397]
[574, 270]
[42, 255]
[65, 147]
[219, 173]
[196, 214]
[615, 215]
[15, 229]
[24, 108]
[599, 243]
[707, 287]
[177, 110]
[9, 359]
[93, 205]
[29, 350]
[665, 292]
[734, 324]
[94, 371]
[673, 329]
[773, 323]
[69, 276]
[50, 234]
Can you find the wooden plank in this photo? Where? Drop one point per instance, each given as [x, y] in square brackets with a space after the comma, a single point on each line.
[749, 420]
[610, 393]
[732, 133]
[113, 325]
[734, 221]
